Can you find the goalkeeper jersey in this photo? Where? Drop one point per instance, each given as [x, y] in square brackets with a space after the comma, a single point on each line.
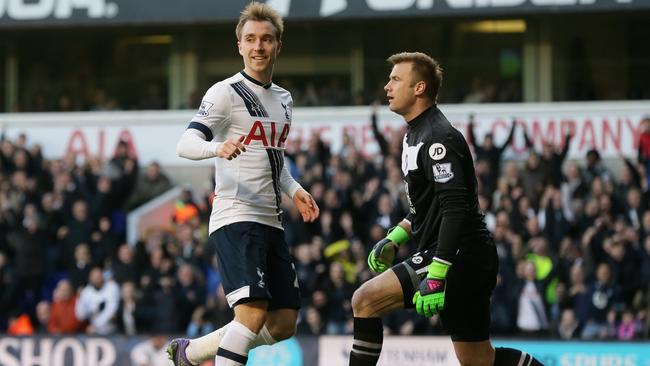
[441, 186]
[249, 187]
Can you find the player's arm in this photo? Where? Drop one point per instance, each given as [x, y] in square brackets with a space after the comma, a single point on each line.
[194, 146]
[288, 185]
[197, 143]
[430, 297]
[301, 198]
[382, 255]
[304, 201]
[447, 174]
[446, 171]
[455, 210]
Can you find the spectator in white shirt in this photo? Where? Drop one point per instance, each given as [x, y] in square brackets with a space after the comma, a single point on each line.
[98, 303]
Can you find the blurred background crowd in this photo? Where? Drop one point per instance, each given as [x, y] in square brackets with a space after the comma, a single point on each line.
[572, 237]
[325, 91]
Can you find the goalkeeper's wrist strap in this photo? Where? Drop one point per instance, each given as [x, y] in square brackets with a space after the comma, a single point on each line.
[438, 268]
[397, 235]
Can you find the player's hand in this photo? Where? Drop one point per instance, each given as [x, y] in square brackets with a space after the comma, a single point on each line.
[306, 205]
[231, 148]
[429, 299]
[382, 255]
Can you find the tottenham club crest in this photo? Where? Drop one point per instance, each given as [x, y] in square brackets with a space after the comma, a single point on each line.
[442, 173]
[261, 283]
[286, 111]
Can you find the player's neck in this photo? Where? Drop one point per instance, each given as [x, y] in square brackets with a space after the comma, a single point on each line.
[262, 78]
[418, 109]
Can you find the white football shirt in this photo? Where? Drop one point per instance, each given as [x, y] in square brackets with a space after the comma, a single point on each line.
[249, 187]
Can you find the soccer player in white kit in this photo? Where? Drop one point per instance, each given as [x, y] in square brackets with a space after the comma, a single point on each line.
[244, 122]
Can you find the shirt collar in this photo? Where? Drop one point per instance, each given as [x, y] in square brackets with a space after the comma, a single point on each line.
[255, 81]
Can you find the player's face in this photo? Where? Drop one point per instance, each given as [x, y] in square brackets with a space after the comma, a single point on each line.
[259, 47]
[400, 89]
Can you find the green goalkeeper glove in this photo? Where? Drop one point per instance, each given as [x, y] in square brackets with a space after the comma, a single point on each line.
[429, 299]
[382, 254]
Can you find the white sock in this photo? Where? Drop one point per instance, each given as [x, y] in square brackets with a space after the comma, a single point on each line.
[264, 338]
[205, 348]
[234, 347]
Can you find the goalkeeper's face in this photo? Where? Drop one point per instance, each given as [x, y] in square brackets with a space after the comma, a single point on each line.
[259, 47]
[400, 89]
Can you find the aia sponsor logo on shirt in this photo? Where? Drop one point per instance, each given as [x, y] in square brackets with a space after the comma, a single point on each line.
[268, 133]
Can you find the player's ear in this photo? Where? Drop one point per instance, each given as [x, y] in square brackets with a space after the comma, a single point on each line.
[279, 48]
[239, 48]
[420, 87]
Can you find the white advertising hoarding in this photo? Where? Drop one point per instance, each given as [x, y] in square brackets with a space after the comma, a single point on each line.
[610, 127]
[396, 351]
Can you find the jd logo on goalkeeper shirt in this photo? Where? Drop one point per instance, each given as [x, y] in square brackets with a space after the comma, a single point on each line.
[59, 9]
[437, 151]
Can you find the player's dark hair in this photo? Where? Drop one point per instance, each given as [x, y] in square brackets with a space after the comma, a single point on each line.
[260, 12]
[424, 67]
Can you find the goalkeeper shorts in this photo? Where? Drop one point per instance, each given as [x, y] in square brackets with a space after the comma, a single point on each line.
[470, 281]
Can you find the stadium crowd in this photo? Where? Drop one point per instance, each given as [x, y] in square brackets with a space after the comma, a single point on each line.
[326, 91]
[573, 240]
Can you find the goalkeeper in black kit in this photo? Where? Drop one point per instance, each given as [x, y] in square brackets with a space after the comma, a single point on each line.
[454, 270]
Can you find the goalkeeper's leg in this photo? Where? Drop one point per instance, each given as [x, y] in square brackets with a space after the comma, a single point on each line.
[466, 316]
[378, 296]
[391, 290]
[483, 354]
[510, 356]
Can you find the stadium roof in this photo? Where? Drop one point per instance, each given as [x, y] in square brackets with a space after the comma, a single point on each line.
[46, 13]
